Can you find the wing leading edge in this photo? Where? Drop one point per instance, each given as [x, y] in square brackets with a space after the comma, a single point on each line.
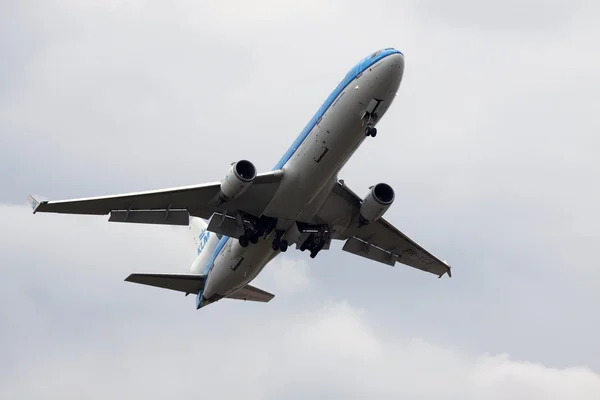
[381, 241]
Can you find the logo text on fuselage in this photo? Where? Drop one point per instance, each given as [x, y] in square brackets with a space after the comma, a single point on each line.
[203, 239]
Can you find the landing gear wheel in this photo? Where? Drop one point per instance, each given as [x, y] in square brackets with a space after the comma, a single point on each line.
[276, 244]
[307, 242]
[283, 246]
[371, 131]
[254, 238]
[315, 250]
[244, 241]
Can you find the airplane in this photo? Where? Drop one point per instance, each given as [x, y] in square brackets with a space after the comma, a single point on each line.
[244, 221]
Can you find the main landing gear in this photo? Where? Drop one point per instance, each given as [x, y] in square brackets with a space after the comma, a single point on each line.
[315, 241]
[255, 228]
[279, 244]
[370, 119]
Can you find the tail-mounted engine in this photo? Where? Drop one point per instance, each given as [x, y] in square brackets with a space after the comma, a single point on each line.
[237, 180]
[376, 203]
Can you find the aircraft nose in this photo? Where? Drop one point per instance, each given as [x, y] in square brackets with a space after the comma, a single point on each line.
[389, 74]
[395, 62]
[398, 60]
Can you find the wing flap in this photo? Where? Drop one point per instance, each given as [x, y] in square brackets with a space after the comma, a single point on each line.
[224, 225]
[251, 293]
[364, 249]
[186, 283]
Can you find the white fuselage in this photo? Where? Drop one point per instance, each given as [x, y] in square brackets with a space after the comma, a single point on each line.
[310, 169]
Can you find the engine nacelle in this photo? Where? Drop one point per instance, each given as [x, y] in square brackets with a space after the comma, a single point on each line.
[376, 203]
[237, 180]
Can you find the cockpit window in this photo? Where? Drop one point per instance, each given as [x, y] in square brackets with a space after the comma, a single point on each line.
[375, 54]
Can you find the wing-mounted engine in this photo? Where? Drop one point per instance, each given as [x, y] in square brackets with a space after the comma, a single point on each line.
[376, 203]
[238, 179]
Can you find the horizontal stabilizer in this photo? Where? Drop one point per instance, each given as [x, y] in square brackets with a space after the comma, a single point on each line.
[251, 293]
[186, 283]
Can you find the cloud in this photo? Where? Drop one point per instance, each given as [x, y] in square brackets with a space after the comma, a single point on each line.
[510, 17]
[289, 276]
[330, 350]
[73, 328]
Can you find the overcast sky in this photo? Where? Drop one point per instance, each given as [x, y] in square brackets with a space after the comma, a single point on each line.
[491, 145]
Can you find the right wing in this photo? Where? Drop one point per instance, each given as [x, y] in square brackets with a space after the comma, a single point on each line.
[378, 241]
[169, 206]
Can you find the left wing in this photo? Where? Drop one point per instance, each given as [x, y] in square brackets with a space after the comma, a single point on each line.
[379, 241]
[169, 206]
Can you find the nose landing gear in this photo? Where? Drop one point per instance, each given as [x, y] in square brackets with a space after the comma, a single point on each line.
[370, 119]
[371, 131]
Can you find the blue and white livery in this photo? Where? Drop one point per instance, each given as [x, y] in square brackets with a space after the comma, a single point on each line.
[244, 221]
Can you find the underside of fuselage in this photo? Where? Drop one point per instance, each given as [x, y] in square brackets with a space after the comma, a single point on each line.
[310, 168]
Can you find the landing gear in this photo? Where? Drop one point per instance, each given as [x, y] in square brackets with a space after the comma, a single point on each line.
[279, 244]
[314, 251]
[244, 241]
[284, 245]
[306, 243]
[254, 228]
[316, 241]
[370, 119]
[371, 131]
[248, 237]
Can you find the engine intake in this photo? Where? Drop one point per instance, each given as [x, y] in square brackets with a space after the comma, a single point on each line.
[376, 203]
[237, 180]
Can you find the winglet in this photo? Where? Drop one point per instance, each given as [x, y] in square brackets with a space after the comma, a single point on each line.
[33, 203]
[448, 270]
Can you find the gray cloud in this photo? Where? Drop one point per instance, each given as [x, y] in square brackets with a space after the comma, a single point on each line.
[532, 17]
[73, 328]
[491, 146]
